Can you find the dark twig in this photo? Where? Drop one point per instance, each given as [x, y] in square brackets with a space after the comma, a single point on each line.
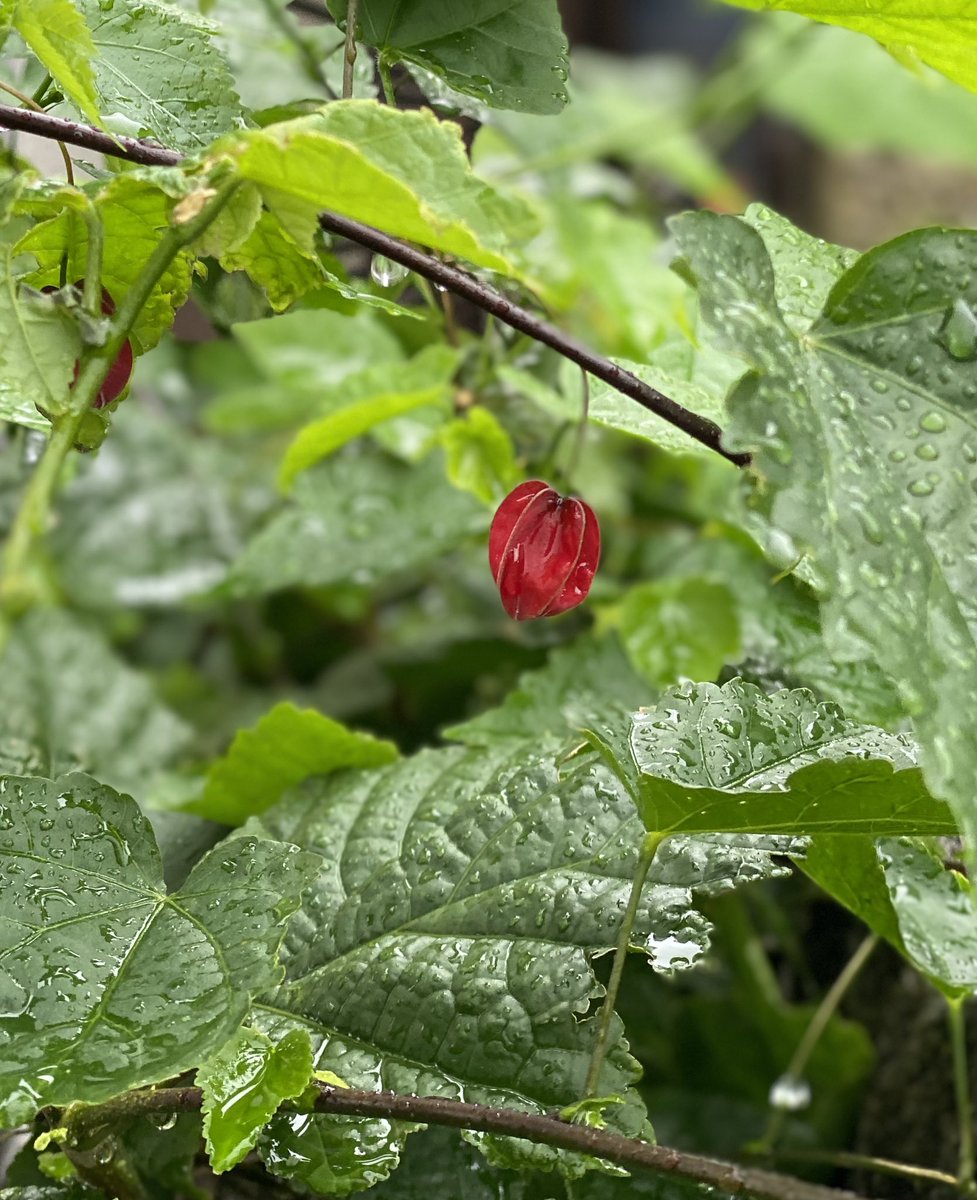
[87, 1124]
[460, 282]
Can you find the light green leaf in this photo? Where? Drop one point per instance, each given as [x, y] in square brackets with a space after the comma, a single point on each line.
[832, 91]
[135, 214]
[582, 685]
[864, 447]
[109, 983]
[405, 172]
[731, 758]
[361, 404]
[68, 703]
[286, 746]
[479, 455]
[940, 32]
[509, 54]
[275, 262]
[55, 32]
[39, 345]
[158, 71]
[332, 1155]
[358, 519]
[678, 629]
[243, 1084]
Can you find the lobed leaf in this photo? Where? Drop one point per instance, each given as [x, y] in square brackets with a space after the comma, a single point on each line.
[732, 758]
[110, 983]
[861, 430]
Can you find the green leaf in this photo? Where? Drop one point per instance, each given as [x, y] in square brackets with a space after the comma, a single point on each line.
[862, 435]
[360, 520]
[286, 746]
[678, 629]
[940, 32]
[55, 32]
[110, 983]
[275, 262]
[68, 703]
[509, 54]
[159, 74]
[363, 403]
[731, 758]
[405, 172]
[39, 345]
[832, 93]
[157, 517]
[331, 1155]
[901, 889]
[479, 455]
[243, 1084]
[444, 948]
[135, 214]
[582, 685]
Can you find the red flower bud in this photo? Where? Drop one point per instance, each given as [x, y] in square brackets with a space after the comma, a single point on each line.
[121, 369]
[543, 551]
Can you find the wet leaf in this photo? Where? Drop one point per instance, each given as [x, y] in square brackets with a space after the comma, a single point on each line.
[243, 1085]
[731, 758]
[109, 982]
[508, 55]
[864, 453]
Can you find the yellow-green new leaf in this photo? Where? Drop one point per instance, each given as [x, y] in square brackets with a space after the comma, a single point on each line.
[940, 32]
[404, 172]
[56, 33]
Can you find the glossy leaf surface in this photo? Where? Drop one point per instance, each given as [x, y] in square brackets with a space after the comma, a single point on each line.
[109, 982]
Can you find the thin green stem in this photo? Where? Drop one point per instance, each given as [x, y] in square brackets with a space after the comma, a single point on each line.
[41, 91]
[863, 1162]
[30, 522]
[649, 848]
[349, 50]
[818, 1024]
[386, 82]
[577, 448]
[92, 295]
[961, 1088]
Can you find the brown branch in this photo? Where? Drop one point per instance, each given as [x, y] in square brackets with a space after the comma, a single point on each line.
[89, 1123]
[697, 427]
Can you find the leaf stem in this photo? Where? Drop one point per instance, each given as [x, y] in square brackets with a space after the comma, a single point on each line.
[96, 1120]
[961, 1088]
[812, 1035]
[92, 295]
[863, 1162]
[386, 81]
[349, 51]
[16, 591]
[605, 1019]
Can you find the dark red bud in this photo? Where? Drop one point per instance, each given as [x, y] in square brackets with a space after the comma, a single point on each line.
[543, 551]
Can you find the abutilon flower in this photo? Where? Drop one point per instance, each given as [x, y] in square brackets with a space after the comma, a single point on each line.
[543, 551]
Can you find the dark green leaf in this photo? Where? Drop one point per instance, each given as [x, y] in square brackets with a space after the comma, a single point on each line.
[109, 982]
[507, 53]
[861, 431]
[731, 758]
